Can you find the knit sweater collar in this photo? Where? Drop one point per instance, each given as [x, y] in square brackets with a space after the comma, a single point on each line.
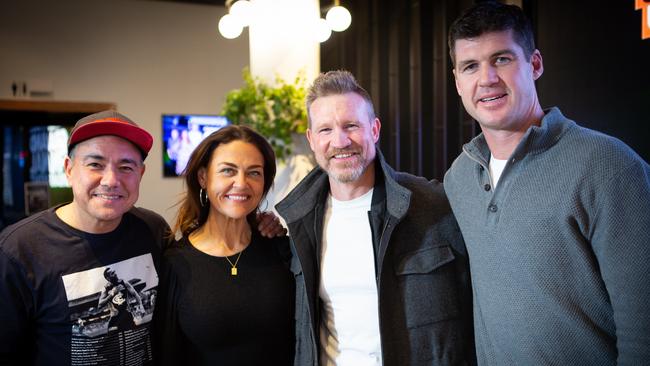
[537, 139]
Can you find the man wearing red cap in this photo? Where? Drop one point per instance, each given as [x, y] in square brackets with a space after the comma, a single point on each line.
[78, 282]
[53, 264]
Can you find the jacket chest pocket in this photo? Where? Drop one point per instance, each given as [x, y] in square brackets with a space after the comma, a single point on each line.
[428, 285]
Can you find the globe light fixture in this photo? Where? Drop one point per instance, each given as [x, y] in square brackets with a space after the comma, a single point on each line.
[242, 13]
[243, 10]
[229, 26]
[338, 18]
[322, 31]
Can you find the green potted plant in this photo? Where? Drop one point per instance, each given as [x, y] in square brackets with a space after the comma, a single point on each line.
[275, 111]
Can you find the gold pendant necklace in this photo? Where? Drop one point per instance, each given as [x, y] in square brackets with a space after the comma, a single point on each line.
[233, 269]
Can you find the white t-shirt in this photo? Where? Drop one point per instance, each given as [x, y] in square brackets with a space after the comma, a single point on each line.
[348, 290]
[496, 168]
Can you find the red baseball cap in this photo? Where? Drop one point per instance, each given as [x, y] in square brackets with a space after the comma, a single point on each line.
[110, 123]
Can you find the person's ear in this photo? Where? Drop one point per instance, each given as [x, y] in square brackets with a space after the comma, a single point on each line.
[308, 133]
[537, 63]
[456, 80]
[376, 127]
[67, 168]
[201, 176]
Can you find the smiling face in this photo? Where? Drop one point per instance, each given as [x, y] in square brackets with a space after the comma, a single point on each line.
[342, 136]
[234, 179]
[496, 82]
[104, 173]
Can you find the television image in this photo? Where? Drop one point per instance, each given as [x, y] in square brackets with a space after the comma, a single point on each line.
[181, 135]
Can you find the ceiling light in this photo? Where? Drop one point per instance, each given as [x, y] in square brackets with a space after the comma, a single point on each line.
[230, 27]
[338, 18]
[243, 10]
[322, 30]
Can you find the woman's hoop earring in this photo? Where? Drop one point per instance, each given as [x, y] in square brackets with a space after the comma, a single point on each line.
[203, 197]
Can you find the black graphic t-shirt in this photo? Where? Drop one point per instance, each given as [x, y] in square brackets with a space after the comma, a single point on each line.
[72, 298]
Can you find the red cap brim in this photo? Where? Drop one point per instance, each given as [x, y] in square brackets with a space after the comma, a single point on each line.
[111, 126]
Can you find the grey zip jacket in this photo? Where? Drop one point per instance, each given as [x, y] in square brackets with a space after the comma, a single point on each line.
[422, 273]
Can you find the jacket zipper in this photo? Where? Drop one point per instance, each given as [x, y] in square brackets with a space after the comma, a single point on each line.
[381, 339]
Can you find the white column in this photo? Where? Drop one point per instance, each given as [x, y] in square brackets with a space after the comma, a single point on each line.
[282, 43]
[281, 39]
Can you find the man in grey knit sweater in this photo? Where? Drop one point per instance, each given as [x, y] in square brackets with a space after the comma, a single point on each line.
[556, 217]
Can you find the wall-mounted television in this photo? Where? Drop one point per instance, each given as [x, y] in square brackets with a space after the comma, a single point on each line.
[181, 134]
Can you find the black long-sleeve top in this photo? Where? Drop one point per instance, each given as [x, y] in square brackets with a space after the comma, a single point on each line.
[209, 317]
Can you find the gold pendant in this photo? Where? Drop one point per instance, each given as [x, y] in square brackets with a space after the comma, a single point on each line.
[233, 271]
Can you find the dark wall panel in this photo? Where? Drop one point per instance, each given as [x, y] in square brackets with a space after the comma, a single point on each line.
[597, 68]
[596, 71]
[398, 52]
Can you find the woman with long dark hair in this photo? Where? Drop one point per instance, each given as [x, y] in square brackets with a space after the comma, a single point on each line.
[227, 296]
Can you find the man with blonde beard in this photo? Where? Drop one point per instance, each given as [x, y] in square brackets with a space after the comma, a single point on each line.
[381, 270]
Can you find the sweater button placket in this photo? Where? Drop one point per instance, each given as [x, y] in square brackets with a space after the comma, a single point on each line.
[492, 207]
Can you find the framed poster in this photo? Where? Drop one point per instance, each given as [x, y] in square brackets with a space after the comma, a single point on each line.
[37, 197]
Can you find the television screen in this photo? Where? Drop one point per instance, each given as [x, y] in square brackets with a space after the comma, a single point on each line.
[181, 134]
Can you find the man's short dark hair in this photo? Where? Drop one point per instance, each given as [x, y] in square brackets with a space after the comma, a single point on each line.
[490, 16]
[335, 83]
